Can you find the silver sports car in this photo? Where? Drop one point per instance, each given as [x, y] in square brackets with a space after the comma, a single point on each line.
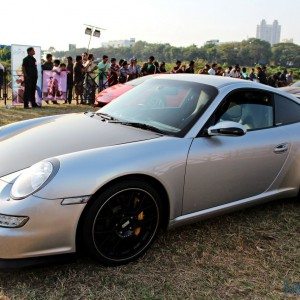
[174, 150]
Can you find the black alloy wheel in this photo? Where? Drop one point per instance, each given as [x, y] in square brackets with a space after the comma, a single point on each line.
[122, 223]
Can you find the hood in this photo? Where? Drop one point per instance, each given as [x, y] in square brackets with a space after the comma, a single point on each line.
[47, 137]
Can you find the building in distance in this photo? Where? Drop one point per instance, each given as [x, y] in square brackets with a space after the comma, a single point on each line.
[287, 41]
[119, 43]
[269, 32]
[212, 42]
[72, 47]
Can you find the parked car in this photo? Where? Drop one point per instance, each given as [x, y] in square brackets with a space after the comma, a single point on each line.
[174, 150]
[111, 93]
[293, 89]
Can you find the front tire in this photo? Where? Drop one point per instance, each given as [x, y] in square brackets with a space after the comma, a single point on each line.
[122, 222]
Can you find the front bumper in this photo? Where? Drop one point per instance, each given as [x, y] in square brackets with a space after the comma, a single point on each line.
[11, 264]
[50, 230]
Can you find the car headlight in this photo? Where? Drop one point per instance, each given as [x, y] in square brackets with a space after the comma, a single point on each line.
[34, 178]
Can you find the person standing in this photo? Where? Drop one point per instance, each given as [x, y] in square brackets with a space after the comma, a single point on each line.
[48, 64]
[113, 72]
[124, 72]
[244, 74]
[70, 67]
[30, 73]
[1, 78]
[149, 67]
[162, 67]
[191, 67]
[204, 71]
[78, 79]
[90, 84]
[84, 56]
[283, 78]
[261, 75]
[103, 68]
[213, 69]
[252, 75]
[289, 78]
[177, 68]
[133, 69]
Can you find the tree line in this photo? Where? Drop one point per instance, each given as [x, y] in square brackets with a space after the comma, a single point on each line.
[249, 52]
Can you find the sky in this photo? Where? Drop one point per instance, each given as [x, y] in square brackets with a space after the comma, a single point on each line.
[59, 23]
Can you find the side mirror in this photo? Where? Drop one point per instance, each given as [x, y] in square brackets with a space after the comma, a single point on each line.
[227, 128]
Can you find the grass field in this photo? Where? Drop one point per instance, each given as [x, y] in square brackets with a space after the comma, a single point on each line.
[250, 254]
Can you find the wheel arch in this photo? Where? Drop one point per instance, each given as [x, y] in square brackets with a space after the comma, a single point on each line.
[149, 179]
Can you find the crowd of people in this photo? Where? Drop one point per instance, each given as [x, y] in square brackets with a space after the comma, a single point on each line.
[85, 77]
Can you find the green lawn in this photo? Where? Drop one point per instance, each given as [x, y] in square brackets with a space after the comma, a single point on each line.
[250, 254]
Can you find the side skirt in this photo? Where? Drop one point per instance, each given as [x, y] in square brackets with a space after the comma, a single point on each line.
[232, 206]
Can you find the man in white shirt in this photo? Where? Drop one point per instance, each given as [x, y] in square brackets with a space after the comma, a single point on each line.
[212, 70]
[90, 84]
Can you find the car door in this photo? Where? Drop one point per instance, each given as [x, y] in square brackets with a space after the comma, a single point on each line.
[224, 169]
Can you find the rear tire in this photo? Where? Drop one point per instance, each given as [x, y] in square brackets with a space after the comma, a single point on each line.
[122, 222]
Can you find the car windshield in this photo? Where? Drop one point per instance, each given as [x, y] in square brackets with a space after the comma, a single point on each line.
[172, 106]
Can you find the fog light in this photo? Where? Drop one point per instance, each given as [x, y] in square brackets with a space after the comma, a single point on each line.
[12, 221]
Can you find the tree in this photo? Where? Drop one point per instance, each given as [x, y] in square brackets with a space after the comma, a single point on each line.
[228, 53]
[254, 51]
[286, 54]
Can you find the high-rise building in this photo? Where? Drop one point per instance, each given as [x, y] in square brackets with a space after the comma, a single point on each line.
[72, 47]
[120, 43]
[212, 42]
[269, 32]
[288, 41]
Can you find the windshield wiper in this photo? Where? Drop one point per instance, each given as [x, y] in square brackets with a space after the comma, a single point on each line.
[106, 117]
[139, 125]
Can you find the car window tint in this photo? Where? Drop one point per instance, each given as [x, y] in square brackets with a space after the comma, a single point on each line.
[286, 111]
[251, 108]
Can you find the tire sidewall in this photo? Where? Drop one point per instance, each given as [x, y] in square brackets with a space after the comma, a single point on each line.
[99, 203]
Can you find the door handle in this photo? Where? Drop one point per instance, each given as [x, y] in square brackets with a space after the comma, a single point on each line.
[281, 148]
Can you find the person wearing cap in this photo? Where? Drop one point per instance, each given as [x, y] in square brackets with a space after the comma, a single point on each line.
[133, 69]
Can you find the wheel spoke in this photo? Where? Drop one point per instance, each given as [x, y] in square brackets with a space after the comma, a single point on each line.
[125, 224]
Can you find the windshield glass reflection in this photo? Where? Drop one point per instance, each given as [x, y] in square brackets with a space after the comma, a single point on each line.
[170, 105]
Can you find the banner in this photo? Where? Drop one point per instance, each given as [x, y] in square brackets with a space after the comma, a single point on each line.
[5, 60]
[18, 53]
[54, 85]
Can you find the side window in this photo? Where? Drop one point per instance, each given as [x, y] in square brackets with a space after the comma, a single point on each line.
[286, 111]
[254, 109]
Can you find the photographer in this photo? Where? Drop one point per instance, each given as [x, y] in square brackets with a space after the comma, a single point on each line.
[89, 82]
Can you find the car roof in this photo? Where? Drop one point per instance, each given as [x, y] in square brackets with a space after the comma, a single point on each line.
[222, 81]
[213, 80]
